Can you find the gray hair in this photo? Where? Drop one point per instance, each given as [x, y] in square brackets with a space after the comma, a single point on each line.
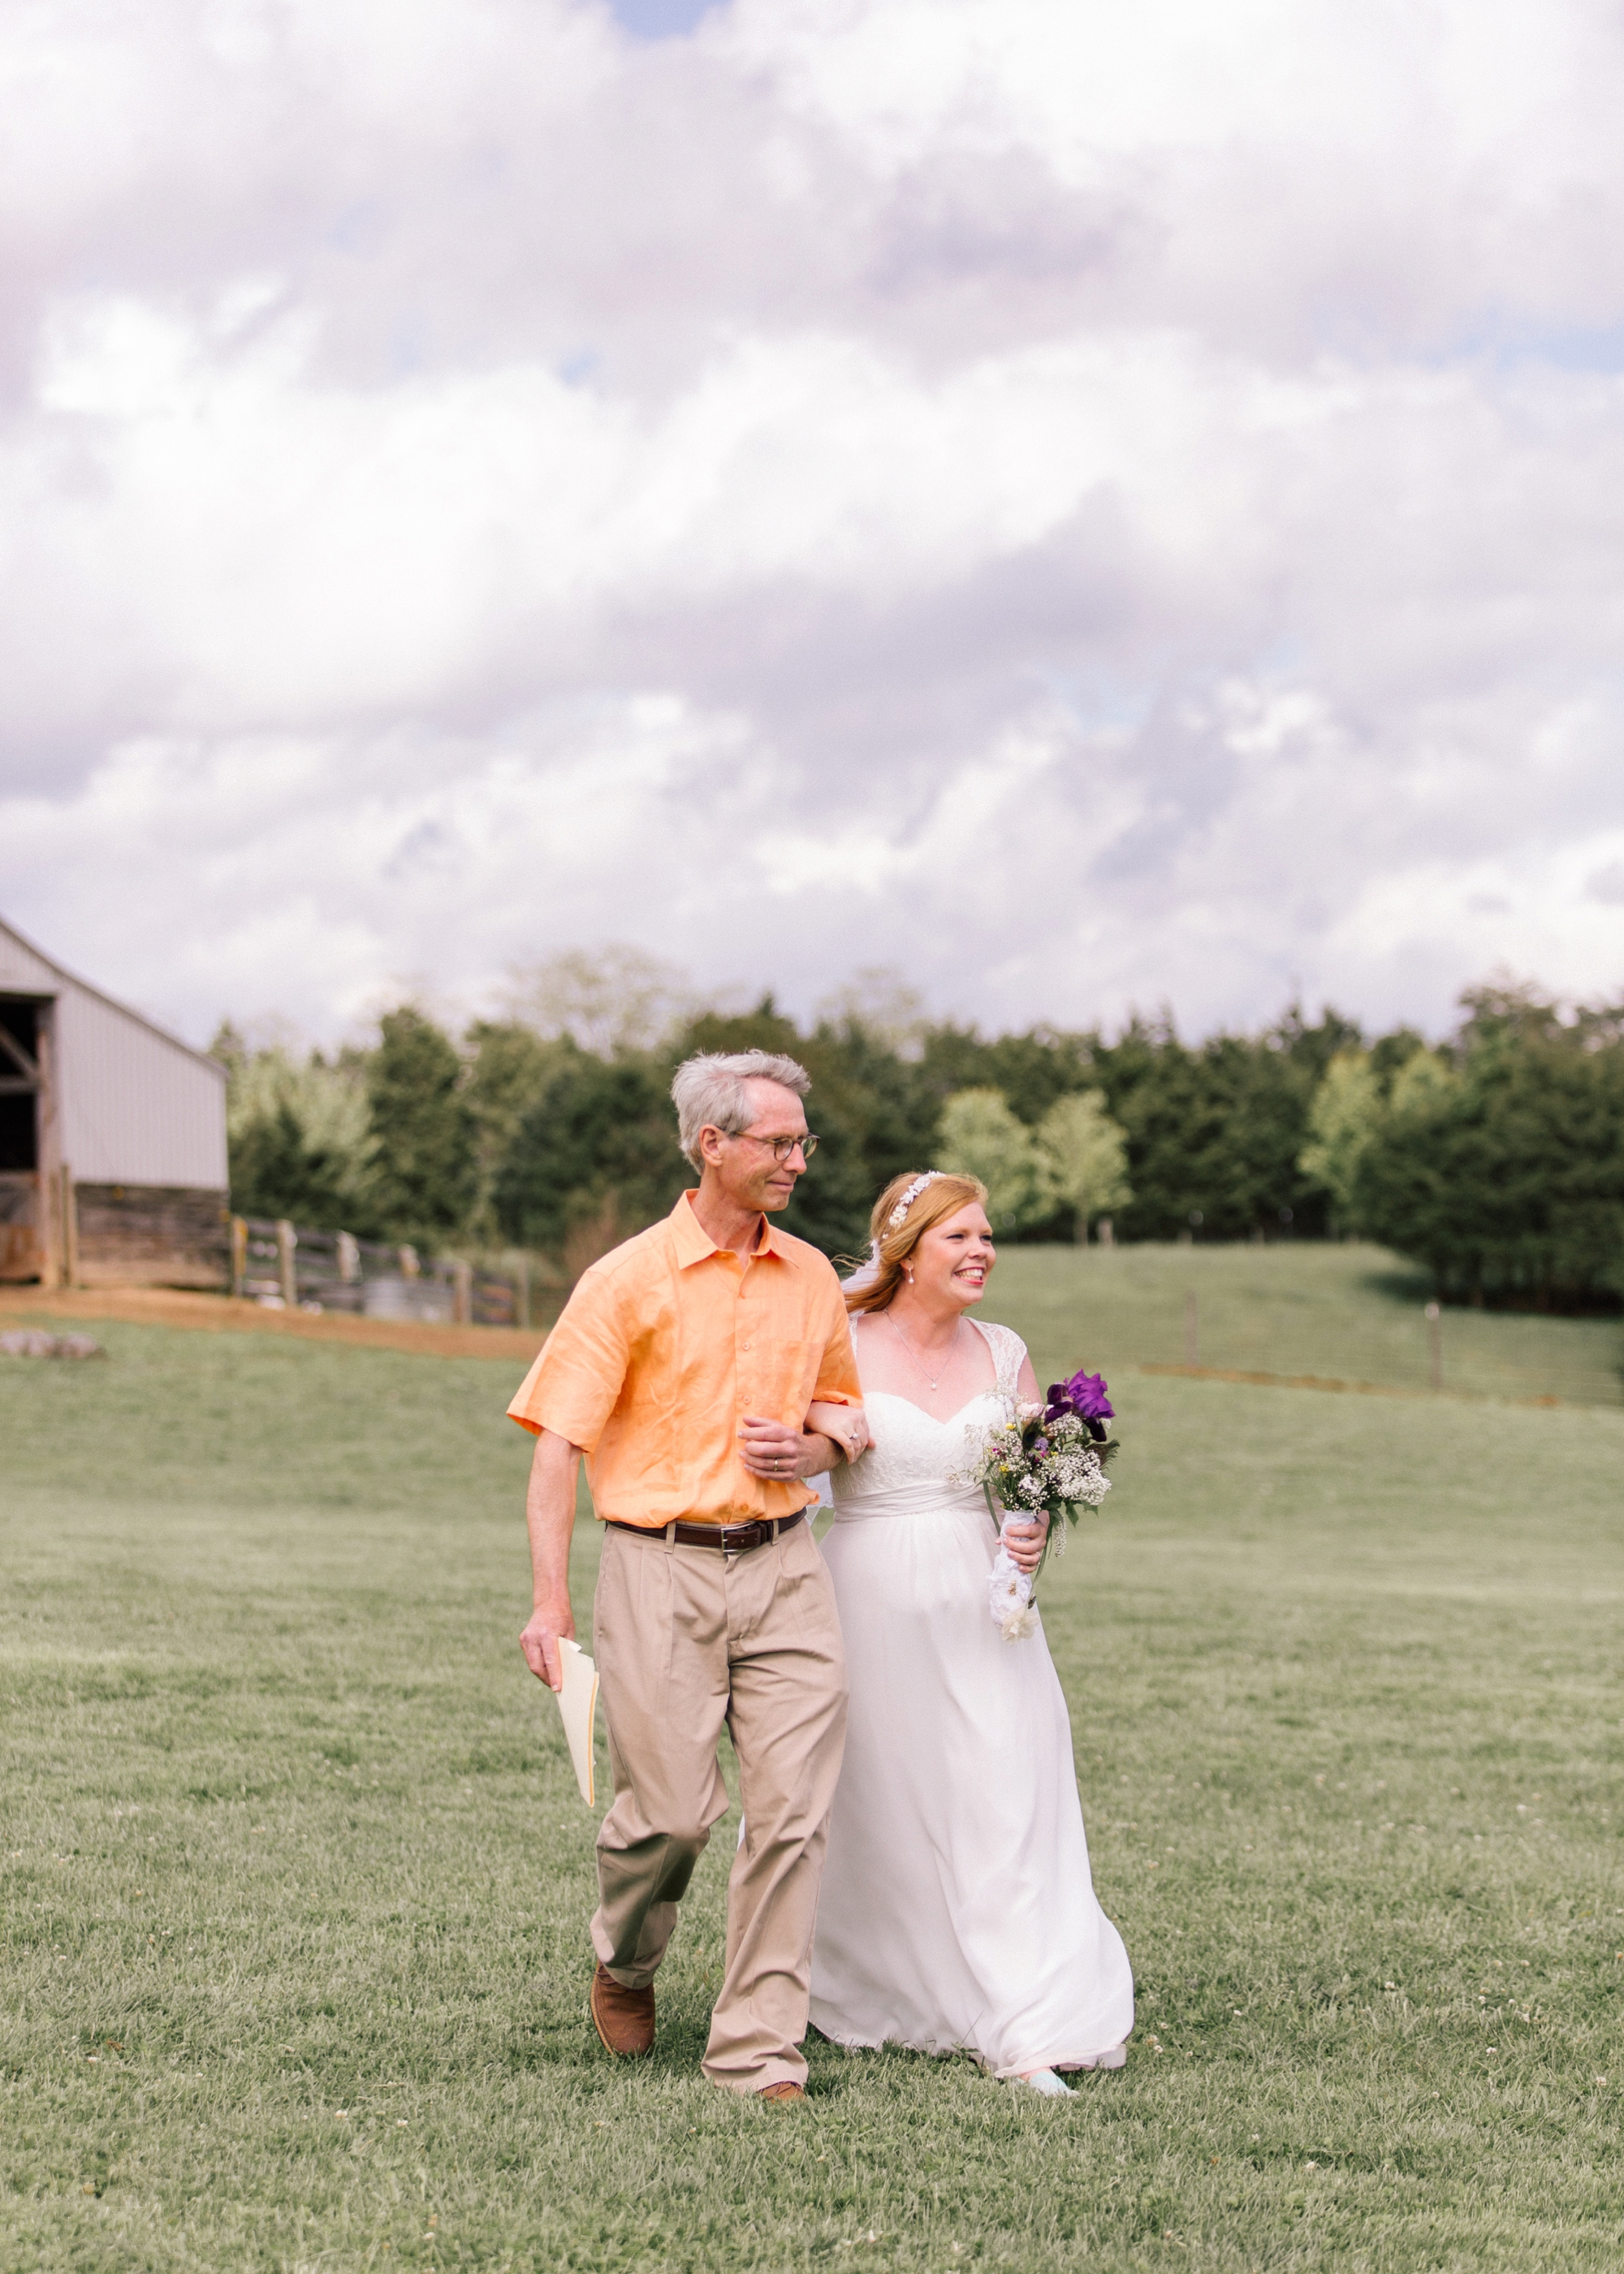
[709, 1092]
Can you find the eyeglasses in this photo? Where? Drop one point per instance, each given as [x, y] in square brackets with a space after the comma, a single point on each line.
[783, 1147]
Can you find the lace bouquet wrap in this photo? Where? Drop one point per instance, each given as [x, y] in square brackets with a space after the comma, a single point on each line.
[1045, 1459]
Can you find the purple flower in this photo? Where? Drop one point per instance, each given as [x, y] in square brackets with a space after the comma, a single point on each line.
[1084, 1394]
[1087, 1394]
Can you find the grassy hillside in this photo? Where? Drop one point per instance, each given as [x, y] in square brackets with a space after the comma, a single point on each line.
[296, 1879]
[1351, 1312]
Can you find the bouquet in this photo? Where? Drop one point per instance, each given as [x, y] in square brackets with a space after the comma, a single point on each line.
[1049, 1458]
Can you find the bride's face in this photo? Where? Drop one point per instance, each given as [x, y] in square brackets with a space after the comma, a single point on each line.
[951, 1262]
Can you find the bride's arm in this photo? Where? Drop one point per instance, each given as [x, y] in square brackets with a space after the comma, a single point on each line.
[847, 1426]
[835, 1413]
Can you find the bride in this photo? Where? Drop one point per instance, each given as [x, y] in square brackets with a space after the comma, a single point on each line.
[957, 1910]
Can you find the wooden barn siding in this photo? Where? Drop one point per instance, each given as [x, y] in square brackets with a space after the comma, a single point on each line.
[152, 1236]
[19, 1237]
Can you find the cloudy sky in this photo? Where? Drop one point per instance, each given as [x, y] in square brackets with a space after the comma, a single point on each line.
[1088, 506]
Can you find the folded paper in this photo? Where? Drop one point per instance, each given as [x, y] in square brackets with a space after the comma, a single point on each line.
[577, 1702]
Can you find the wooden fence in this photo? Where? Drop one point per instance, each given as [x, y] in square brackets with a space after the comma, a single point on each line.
[287, 1265]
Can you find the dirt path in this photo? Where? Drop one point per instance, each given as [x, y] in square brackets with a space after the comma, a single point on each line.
[162, 1306]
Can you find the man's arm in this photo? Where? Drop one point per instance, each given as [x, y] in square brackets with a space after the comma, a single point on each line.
[566, 1399]
[835, 1429]
[550, 1511]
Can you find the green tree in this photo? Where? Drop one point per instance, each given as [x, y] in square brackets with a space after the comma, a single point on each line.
[1311, 1048]
[602, 1153]
[594, 1158]
[299, 1136]
[1088, 1157]
[1506, 1177]
[508, 1066]
[1216, 1133]
[276, 1171]
[980, 1137]
[422, 1128]
[1389, 1054]
[1030, 1071]
[1425, 1079]
[1341, 1121]
[881, 1119]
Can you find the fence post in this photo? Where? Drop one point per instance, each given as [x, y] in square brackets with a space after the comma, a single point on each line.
[1435, 1346]
[348, 1254]
[70, 1228]
[239, 1254]
[522, 1292]
[462, 1294]
[1192, 1336]
[1105, 1231]
[287, 1272]
[410, 1269]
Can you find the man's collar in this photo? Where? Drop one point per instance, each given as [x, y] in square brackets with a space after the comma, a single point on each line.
[694, 1243]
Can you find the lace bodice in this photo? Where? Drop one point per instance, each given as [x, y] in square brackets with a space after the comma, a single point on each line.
[917, 1457]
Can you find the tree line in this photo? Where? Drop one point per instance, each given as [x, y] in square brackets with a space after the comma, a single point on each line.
[1494, 1160]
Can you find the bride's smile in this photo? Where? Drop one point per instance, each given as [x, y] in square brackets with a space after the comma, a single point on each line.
[951, 1265]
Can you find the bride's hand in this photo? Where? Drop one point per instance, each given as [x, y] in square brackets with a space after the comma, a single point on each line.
[1025, 1543]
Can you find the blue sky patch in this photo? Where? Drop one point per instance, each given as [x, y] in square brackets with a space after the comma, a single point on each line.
[659, 19]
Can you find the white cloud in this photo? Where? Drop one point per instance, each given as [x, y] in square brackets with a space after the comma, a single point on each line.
[1093, 507]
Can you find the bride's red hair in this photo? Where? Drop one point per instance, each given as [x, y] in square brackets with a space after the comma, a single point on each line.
[943, 1196]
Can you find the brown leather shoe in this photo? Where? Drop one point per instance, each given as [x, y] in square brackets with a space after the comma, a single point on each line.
[784, 2089]
[624, 2019]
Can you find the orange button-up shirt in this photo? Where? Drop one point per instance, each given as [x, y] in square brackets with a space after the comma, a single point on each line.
[663, 1349]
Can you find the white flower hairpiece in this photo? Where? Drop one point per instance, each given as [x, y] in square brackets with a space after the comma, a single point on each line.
[909, 1197]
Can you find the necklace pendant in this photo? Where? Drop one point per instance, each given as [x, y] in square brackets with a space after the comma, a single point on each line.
[915, 1357]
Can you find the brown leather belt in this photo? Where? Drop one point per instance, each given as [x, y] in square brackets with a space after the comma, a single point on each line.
[732, 1538]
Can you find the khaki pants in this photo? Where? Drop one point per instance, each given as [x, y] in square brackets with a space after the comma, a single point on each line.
[687, 1638]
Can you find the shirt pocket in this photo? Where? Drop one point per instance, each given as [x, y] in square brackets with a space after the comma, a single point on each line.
[787, 1390]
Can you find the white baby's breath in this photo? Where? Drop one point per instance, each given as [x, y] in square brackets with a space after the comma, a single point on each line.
[1028, 1467]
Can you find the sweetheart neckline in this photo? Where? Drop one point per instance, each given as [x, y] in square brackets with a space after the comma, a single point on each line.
[898, 1399]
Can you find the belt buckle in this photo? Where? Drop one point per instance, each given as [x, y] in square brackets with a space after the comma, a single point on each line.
[746, 1536]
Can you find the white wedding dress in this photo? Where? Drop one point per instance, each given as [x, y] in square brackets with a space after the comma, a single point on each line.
[957, 1913]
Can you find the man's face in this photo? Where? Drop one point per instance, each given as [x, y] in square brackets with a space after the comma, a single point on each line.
[746, 1167]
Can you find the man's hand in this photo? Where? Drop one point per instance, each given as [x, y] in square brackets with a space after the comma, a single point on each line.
[539, 1641]
[1024, 1542]
[773, 1450]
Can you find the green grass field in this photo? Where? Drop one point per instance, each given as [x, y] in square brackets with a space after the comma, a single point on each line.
[1350, 1312]
[297, 1879]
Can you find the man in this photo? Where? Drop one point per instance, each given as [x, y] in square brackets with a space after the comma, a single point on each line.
[683, 1368]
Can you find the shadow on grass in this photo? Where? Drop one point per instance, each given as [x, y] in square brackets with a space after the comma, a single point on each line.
[1408, 1289]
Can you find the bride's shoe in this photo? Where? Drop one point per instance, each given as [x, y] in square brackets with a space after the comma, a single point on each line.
[1044, 2081]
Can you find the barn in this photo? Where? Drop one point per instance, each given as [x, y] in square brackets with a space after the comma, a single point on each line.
[112, 1138]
